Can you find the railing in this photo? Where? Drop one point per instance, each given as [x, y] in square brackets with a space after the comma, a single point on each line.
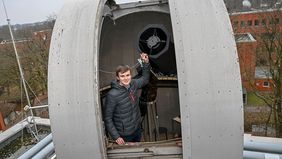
[254, 147]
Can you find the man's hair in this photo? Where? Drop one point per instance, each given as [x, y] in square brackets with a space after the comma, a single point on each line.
[122, 69]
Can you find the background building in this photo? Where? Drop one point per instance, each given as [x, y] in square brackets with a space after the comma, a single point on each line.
[249, 28]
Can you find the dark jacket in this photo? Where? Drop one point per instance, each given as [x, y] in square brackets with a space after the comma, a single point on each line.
[122, 114]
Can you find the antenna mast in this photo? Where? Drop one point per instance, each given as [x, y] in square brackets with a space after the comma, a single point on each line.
[20, 69]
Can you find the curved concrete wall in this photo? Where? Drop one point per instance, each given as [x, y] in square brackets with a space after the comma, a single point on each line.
[73, 81]
[209, 80]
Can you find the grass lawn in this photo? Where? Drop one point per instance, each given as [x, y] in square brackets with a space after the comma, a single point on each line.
[253, 100]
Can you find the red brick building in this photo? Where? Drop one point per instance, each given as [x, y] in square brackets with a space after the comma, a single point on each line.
[247, 26]
[255, 21]
[246, 46]
[262, 79]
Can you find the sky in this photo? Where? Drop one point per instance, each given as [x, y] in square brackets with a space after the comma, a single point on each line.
[29, 11]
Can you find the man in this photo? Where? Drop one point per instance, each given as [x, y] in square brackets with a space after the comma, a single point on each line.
[122, 114]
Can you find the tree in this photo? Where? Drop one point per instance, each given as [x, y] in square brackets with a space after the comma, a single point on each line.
[37, 66]
[50, 22]
[33, 49]
[269, 55]
[4, 32]
[8, 70]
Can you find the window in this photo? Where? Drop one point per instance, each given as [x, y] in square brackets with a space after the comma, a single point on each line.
[235, 24]
[256, 22]
[245, 98]
[266, 84]
[243, 24]
[250, 22]
[263, 21]
[274, 21]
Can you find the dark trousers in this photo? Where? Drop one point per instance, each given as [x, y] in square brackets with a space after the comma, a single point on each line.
[135, 137]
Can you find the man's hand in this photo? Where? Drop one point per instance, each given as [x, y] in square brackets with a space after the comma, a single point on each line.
[144, 57]
[120, 141]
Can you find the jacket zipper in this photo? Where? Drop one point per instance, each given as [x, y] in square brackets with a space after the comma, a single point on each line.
[132, 96]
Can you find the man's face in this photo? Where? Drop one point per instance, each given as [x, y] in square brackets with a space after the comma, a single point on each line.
[124, 78]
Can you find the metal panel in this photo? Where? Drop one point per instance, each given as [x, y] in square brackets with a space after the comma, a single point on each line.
[209, 80]
[73, 81]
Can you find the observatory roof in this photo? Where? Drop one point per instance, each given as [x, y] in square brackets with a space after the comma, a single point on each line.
[244, 37]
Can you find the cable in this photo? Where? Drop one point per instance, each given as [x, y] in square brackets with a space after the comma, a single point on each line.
[109, 72]
[33, 92]
[22, 110]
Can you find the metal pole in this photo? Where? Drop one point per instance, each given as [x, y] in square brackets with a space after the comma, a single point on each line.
[37, 107]
[19, 65]
[149, 119]
[37, 148]
[45, 152]
[266, 147]
[54, 156]
[260, 155]
[155, 118]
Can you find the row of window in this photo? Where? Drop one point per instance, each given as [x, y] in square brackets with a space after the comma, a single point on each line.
[256, 22]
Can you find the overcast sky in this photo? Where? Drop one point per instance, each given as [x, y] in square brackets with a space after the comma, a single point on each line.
[29, 11]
